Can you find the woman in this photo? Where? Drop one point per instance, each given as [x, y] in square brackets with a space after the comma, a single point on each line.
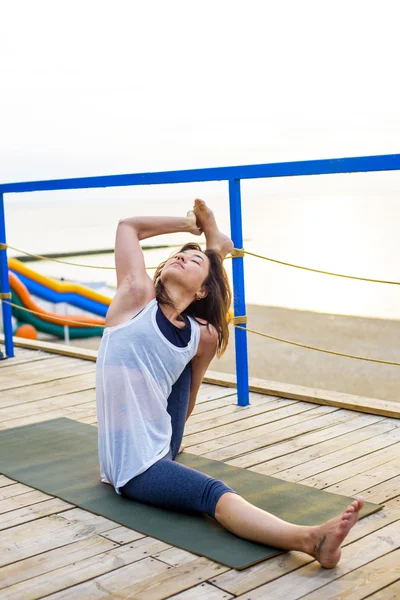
[159, 339]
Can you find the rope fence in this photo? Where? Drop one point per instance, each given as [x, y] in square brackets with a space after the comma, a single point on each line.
[236, 253]
[271, 337]
[281, 262]
[237, 321]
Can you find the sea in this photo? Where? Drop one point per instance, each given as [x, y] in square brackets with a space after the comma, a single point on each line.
[345, 224]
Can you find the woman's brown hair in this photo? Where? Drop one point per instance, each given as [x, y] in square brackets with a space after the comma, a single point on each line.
[215, 306]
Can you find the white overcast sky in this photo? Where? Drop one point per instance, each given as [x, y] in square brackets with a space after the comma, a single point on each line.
[90, 87]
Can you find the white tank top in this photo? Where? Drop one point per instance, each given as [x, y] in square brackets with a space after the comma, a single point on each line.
[135, 371]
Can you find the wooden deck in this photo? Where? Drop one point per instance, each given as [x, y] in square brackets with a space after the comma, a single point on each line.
[49, 548]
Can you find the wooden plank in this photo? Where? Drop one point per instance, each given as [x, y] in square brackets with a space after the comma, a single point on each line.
[371, 475]
[73, 412]
[310, 444]
[113, 562]
[14, 502]
[91, 420]
[97, 523]
[351, 462]
[41, 565]
[315, 445]
[32, 512]
[226, 448]
[51, 373]
[312, 577]
[53, 348]
[129, 582]
[24, 356]
[48, 389]
[122, 535]
[363, 581]
[385, 408]
[42, 406]
[23, 541]
[204, 591]
[222, 408]
[5, 481]
[391, 592]
[259, 412]
[334, 467]
[383, 492]
[208, 393]
[289, 416]
[245, 424]
[175, 556]
[14, 370]
[240, 582]
[15, 489]
[110, 585]
[210, 405]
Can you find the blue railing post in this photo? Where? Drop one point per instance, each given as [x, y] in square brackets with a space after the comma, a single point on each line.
[239, 301]
[4, 285]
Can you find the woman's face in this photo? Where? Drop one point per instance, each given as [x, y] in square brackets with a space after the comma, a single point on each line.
[189, 268]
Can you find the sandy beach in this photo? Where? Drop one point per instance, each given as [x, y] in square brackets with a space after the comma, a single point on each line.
[278, 361]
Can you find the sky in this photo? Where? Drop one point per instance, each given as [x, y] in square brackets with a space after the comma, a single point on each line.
[94, 87]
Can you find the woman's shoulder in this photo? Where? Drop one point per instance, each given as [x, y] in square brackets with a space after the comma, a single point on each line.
[208, 333]
[125, 306]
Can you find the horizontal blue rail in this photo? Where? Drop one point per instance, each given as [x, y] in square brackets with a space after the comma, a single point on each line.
[388, 162]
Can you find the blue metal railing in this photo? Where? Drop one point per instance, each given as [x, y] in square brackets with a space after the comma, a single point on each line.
[233, 175]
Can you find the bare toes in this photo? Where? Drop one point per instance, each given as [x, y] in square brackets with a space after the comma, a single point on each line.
[360, 501]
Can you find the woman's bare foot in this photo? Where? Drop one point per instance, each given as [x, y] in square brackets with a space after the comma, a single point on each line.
[325, 540]
[215, 239]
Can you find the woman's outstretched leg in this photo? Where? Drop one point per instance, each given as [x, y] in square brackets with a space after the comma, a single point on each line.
[322, 542]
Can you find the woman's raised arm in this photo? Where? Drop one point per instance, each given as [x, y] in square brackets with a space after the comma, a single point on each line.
[135, 288]
[129, 260]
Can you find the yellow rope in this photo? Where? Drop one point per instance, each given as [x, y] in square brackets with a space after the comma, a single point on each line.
[40, 314]
[239, 320]
[63, 262]
[236, 253]
[385, 362]
[4, 295]
[281, 262]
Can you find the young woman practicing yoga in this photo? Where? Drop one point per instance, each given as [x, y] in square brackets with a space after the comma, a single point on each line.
[159, 339]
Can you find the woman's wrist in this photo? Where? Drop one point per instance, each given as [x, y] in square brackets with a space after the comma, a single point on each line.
[187, 224]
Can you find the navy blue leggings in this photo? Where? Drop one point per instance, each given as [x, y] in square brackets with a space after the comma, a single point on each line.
[169, 484]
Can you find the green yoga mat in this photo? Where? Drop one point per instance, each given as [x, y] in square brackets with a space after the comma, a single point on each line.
[59, 457]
